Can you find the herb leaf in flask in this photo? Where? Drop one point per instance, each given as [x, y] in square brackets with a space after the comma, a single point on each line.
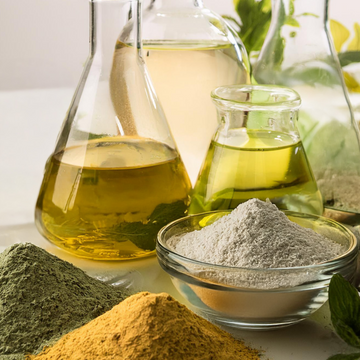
[115, 177]
[189, 51]
[256, 152]
[300, 54]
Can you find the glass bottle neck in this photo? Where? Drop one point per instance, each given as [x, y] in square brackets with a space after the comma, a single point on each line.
[317, 9]
[256, 107]
[235, 125]
[107, 20]
[178, 3]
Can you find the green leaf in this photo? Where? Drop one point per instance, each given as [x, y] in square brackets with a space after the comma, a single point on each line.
[144, 235]
[312, 74]
[349, 57]
[292, 7]
[93, 136]
[255, 21]
[345, 357]
[233, 20]
[266, 5]
[344, 305]
[355, 42]
[339, 34]
[291, 21]
[308, 14]
[255, 18]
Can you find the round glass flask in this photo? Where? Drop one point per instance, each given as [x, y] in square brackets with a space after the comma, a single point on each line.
[115, 177]
[189, 51]
[256, 152]
[300, 54]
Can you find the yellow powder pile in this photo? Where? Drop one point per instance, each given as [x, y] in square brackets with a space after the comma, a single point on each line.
[149, 327]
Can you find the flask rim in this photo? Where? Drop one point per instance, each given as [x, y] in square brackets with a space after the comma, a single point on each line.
[256, 98]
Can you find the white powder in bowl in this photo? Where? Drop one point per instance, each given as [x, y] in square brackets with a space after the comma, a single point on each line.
[256, 235]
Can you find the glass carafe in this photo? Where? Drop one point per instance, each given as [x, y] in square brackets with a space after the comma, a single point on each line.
[115, 177]
[189, 51]
[300, 54]
[256, 153]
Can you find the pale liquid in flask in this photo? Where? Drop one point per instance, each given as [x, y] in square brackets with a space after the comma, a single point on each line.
[184, 74]
[256, 164]
[108, 199]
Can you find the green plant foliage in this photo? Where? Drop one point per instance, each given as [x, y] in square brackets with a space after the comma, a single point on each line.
[255, 18]
[145, 237]
[344, 305]
[345, 357]
[348, 57]
[255, 21]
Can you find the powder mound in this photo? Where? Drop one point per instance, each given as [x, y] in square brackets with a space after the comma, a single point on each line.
[149, 327]
[256, 235]
[43, 297]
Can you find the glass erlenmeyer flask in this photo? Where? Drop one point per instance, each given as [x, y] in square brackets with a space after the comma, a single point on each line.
[300, 55]
[115, 177]
[256, 153]
[189, 51]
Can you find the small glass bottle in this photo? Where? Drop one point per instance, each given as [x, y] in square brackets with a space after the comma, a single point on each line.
[189, 51]
[256, 153]
[300, 54]
[115, 177]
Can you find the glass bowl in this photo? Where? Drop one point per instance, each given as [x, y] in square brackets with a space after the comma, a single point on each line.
[256, 298]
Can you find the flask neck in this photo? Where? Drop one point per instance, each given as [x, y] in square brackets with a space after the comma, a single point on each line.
[298, 33]
[256, 107]
[107, 20]
[178, 4]
[284, 122]
[316, 9]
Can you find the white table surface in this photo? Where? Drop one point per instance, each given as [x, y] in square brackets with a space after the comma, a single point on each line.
[30, 121]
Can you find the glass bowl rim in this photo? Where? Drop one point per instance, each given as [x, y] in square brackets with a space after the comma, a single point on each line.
[351, 250]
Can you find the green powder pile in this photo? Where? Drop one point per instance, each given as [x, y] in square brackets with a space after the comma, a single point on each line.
[43, 297]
